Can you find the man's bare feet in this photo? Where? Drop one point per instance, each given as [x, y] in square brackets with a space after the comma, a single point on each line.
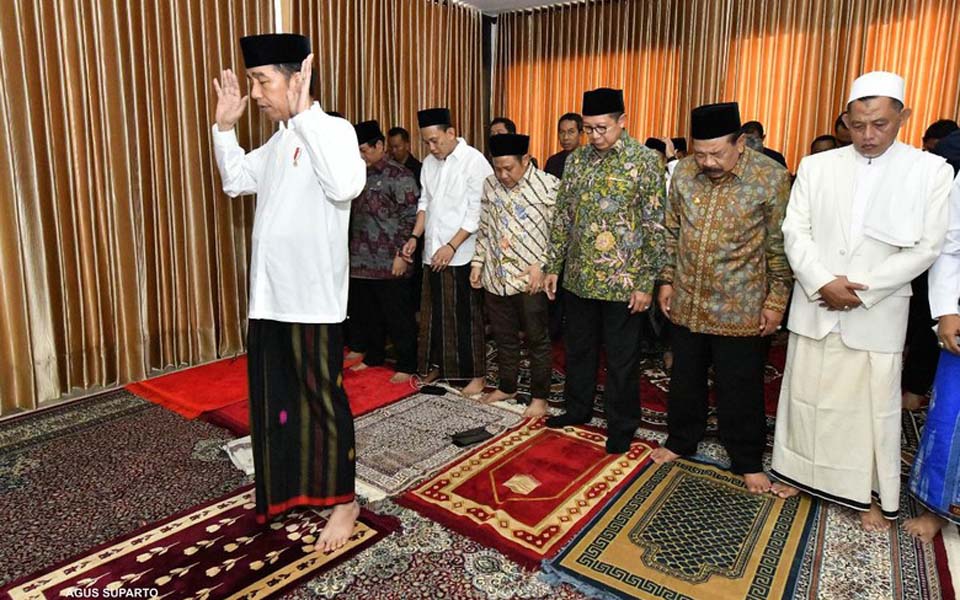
[400, 377]
[784, 491]
[925, 527]
[339, 527]
[537, 408]
[757, 483]
[662, 455]
[359, 366]
[474, 387]
[431, 376]
[353, 355]
[911, 401]
[495, 396]
[872, 520]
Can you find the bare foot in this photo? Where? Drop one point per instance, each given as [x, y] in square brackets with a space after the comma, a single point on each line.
[353, 355]
[925, 527]
[873, 520]
[782, 490]
[757, 483]
[400, 377]
[667, 360]
[912, 402]
[495, 396]
[662, 455]
[359, 366]
[339, 527]
[474, 387]
[431, 376]
[537, 408]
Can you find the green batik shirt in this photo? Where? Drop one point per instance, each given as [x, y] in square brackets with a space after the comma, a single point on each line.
[608, 233]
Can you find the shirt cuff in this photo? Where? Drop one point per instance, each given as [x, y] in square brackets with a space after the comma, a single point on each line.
[225, 138]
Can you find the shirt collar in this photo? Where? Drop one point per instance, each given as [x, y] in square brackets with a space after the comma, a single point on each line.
[617, 147]
[378, 166]
[459, 150]
[737, 170]
[283, 124]
[861, 159]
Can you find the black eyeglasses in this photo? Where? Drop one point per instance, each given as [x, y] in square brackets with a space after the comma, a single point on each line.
[600, 129]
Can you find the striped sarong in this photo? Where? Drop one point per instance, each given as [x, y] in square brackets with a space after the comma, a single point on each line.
[451, 325]
[301, 425]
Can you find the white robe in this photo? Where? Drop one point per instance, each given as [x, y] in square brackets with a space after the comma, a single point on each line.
[881, 222]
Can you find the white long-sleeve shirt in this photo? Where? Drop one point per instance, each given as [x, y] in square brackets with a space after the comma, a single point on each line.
[450, 196]
[945, 273]
[304, 177]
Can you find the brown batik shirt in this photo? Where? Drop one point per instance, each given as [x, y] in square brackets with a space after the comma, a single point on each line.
[724, 246]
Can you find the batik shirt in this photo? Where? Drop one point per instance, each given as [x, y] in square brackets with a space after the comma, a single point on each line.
[607, 234]
[725, 256]
[382, 220]
[514, 230]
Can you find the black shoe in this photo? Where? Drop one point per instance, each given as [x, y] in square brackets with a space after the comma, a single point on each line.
[565, 420]
[618, 446]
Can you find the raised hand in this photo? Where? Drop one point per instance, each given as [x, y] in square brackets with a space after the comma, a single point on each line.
[230, 105]
[298, 92]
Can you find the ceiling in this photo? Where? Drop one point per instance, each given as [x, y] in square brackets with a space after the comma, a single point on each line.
[499, 6]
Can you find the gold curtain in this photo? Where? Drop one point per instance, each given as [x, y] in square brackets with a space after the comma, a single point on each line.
[387, 59]
[119, 253]
[789, 63]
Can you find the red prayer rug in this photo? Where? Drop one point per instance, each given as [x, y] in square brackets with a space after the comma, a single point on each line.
[217, 392]
[196, 390]
[528, 490]
[213, 551]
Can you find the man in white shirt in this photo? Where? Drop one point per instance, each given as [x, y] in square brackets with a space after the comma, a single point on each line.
[304, 177]
[863, 221]
[451, 343]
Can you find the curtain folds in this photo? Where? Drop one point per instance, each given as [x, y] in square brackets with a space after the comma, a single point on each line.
[789, 63]
[387, 59]
[119, 253]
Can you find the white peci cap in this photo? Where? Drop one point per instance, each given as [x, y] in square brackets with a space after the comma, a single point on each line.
[878, 83]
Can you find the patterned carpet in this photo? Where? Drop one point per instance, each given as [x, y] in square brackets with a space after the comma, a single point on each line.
[110, 465]
[78, 475]
[841, 560]
[528, 490]
[418, 429]
[213, 551]
[688, 530]
[428, 560]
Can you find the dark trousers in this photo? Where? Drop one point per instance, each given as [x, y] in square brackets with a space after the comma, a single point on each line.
[923, 352]
[738, 370]
[508, 315]
[556, 311]
[385, 306]
[588, 322]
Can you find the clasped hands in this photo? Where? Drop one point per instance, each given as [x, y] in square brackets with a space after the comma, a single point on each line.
[840, 294]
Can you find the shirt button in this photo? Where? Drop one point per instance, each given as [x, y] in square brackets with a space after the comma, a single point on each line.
[843, 252]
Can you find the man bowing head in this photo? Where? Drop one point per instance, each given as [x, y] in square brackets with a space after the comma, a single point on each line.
[863, 221]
